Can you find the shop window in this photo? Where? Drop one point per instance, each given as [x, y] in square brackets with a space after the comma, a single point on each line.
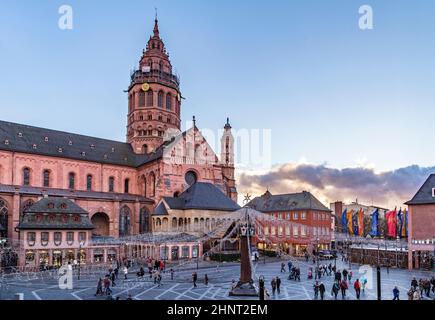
[185, 252]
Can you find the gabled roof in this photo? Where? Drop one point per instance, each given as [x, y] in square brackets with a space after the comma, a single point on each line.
[425, 194]
[56, 206]
[286, 202]
[202, 195]
[27, 139]
[52, 213]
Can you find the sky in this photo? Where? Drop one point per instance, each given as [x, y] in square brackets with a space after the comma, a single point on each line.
[334, 97]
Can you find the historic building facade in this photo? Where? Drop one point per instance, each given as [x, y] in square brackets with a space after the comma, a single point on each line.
[118, 184]
[421, 226]
[298, 222]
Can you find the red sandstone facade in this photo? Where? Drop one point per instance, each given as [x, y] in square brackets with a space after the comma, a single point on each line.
[120, 198]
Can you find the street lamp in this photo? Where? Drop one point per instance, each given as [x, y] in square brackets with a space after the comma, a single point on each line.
[317, 257]
[197, 256]
[82, 243]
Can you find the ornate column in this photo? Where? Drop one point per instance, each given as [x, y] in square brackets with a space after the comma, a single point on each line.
[245, 286]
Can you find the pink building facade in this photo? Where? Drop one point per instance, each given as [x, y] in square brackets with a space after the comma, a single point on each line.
[421, 227]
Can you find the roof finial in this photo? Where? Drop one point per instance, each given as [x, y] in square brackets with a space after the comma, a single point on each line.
[156, 25]
[194, 121]
[227, 125]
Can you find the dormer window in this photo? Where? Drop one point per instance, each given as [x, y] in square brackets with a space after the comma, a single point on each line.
[92, 146]
[433, 192]
[20, 135]
[34, 146]
[6, 142]
[60, 150]
[70, 143]
[46, 139]
[113, 149]
[105, 157]
[83, 154]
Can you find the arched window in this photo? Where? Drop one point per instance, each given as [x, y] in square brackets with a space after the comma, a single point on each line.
[46, 178]
[160, 99]
[89, 182]
[71, 180]
[126, 185]
[161, 66]
[3, 219]
[124, 221]
[141, 99]
[144, 186]
[111, 184]
[168, 101]
[150, 63]
[150, 98]
[144, 221]
[26, 176]
[152, 186]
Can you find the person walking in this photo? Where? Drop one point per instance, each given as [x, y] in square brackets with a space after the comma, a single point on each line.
[357, 287]
[316, 289]
[194, 279]
[283, 267]
[99, 287]
[116, 271]
[278, 285]
[414, 283]
[350, 275]
[410, 293]
[345, 273]
[289, 264]
[396, 293]
[322, 290]
[416, 295]
[335, 289]
[343, 287]
[112, 278]
[206, 279]
[432, 282]
[273, 285]
[125, 272]
[298, 274]
[363, 283]
[172, 273]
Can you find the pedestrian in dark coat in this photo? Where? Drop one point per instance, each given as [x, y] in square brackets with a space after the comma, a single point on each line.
[278, 285]
[322, 290]
[273, 285]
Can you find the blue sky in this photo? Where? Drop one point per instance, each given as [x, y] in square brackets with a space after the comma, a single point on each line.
[331, 93]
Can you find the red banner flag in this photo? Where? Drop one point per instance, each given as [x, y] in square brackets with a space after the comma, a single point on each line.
[391, 218]
[361, 223]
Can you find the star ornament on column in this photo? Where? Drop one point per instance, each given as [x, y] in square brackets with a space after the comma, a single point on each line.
[247, 198]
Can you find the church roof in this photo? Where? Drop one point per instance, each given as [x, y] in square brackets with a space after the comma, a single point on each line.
[52, 192]
[202, 195]
[34, 140]
[286, 202]
[55, 213]
[425, 195]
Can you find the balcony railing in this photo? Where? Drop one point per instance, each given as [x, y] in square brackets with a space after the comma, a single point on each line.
[139, 76]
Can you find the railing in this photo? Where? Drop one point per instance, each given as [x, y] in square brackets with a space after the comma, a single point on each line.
[139, 76]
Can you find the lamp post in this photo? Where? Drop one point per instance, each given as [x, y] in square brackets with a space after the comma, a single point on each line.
[82, 243]
[317, 257]
[197, 256]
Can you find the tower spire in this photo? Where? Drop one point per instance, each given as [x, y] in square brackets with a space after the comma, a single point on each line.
[156, 25]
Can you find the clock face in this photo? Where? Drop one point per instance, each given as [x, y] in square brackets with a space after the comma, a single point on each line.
[145, 87]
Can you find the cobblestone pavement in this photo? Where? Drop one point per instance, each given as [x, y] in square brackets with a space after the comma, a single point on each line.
[220, 279]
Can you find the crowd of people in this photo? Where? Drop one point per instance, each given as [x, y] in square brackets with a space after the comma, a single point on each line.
[420, 288]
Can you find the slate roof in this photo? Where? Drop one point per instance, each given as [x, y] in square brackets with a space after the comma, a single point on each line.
[424, 194]
[55, 213]
[202, 195]
[286, 202]
[38, 191]
[28, 139]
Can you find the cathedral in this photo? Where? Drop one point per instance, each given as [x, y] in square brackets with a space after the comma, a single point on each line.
[119, 184]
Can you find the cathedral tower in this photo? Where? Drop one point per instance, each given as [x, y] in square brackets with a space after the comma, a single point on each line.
[154, 98]
[227, 161]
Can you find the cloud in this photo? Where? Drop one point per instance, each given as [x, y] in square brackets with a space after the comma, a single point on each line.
[385, 189]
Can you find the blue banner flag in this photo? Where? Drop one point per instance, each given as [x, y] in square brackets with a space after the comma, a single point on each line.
[375, 217]
[344, 220]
